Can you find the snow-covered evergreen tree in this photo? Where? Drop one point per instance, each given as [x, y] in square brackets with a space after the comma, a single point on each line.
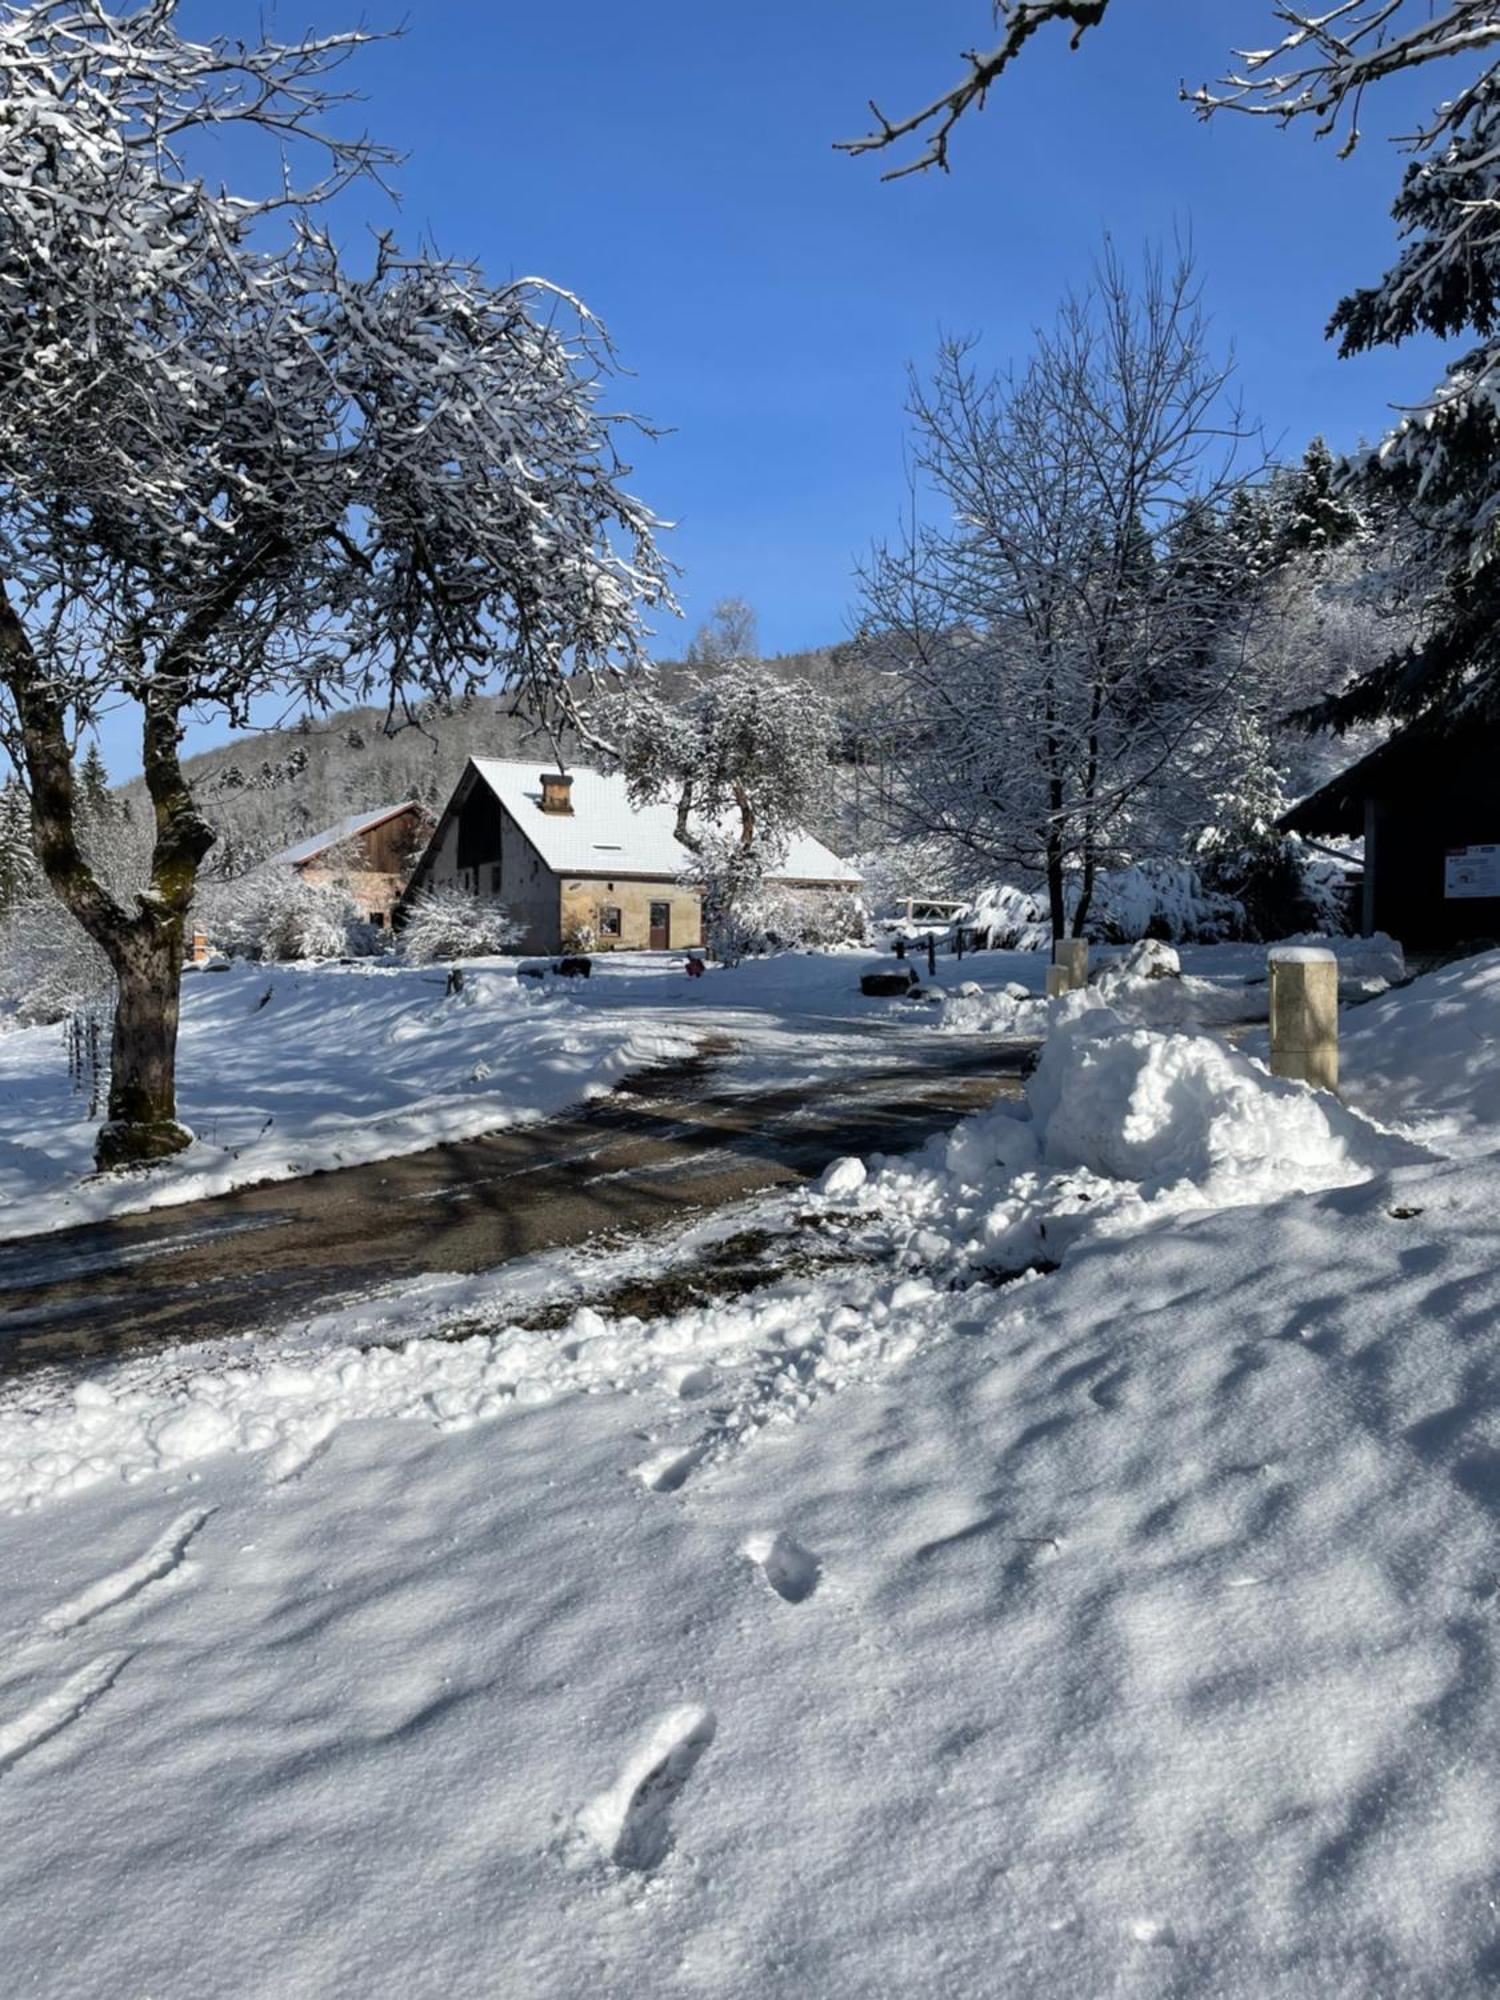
[18, 864]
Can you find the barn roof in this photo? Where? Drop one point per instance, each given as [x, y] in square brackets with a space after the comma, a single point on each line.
[348, 828]
[606, 835]
[1415, 760]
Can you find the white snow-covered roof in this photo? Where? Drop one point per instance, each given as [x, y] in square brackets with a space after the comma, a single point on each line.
[332, 836]
[605, 834]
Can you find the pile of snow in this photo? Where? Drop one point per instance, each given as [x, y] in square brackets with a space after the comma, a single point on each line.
[1121, 1124]
[1145, 984]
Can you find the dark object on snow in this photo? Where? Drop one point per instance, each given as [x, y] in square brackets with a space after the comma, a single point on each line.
[531, 972]
[901, 947]
[455, 980]
[887, 985]
[575, 967]
[932, 954]
[696, 968]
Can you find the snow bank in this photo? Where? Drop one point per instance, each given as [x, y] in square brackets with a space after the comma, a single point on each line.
[1169, 1111]
[292, 1069]
[1427, 1058]
[1121, 1124]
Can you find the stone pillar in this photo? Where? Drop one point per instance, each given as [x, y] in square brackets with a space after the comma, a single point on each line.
[1072, 954]
[1059, 982]
[1305, 1015]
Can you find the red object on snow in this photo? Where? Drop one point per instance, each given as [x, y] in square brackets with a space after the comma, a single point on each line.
[695, 968]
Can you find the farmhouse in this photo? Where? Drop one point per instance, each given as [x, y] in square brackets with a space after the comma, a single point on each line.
[1428, 807]
[369, 854]
[574, 862]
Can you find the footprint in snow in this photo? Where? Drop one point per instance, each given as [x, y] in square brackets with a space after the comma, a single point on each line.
[667, 1470]
[631, 1823]
[792, 1571]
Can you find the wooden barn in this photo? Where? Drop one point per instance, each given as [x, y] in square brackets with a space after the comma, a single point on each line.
[576, 864]
[1427, 804]
[369, 853]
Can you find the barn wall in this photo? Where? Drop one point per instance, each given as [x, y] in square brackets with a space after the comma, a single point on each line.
[1412, 837]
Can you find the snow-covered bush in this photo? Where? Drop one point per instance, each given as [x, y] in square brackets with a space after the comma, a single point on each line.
[50, 969]
[1008, 919]
[786, 919]
[1160, 899]
[450, 923]
[1153, 898]
[276, 914]
[1279, 884]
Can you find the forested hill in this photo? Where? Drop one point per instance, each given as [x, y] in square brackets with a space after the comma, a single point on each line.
[267, 790]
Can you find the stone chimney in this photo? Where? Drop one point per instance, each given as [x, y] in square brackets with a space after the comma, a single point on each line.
[557, 792]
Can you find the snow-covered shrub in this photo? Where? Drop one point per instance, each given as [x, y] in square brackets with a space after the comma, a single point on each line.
[1152, 898]
[1279, 884]
[276, 914]
[450, 923]
[1008, 919]
[50, 969]
[731, 879]
[1160, 899]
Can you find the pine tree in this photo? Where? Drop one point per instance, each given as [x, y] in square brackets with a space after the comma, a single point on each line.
[18, 866]
[1318, 512]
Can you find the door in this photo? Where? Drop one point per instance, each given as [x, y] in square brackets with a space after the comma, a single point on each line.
[661, 926]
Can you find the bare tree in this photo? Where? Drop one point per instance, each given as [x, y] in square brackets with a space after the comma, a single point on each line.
[230, 463]
[730, 632]
[1048, 639]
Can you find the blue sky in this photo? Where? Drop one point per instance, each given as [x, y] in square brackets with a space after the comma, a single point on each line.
[672, 163]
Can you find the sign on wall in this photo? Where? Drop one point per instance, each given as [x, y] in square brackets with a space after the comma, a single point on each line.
[1472, 871]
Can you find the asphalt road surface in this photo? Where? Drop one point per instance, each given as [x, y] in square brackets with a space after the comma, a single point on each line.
[669, 1144]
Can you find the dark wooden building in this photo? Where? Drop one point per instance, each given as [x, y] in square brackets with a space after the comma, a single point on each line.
[1427, 804]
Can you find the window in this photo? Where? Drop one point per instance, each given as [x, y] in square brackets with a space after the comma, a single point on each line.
[609, 920]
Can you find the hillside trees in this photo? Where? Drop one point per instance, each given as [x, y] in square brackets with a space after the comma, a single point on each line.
[231, 462]
[1052, 639]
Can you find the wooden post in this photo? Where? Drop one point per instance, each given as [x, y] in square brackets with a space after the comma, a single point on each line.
[932, 954]
[1059, 981]
[1072, 954]
[199, 947]
[1305, 1015]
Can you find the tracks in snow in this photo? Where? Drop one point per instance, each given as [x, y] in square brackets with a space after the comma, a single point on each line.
[164, 1555]
[49, 1714]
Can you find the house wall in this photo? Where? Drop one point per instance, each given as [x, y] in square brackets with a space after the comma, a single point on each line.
[584, 897]
[500, 865]
[375, 893]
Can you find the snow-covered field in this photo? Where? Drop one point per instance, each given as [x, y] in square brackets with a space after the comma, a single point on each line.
[1078, 1575]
